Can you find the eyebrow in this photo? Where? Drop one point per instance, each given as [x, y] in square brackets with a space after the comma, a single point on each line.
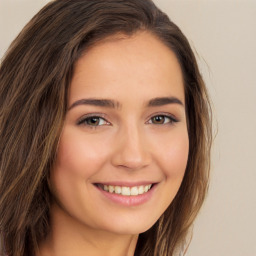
[96, 102]
[156, 102]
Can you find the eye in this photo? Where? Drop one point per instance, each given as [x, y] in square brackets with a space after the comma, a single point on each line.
[162, 119]
[93, 121]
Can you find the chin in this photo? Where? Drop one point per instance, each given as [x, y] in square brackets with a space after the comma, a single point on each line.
[130, 226]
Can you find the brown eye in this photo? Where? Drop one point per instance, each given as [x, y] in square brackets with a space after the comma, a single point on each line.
[158, 119]
[93, 121]
[162, 119]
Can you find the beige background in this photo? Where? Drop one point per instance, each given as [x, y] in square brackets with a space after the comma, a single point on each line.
[224, 35]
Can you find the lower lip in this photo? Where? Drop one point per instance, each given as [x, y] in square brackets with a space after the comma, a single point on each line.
[129, 200]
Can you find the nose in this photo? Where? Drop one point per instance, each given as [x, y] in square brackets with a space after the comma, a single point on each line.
[131, 150]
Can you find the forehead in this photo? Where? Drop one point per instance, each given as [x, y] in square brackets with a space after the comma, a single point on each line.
[121, 63]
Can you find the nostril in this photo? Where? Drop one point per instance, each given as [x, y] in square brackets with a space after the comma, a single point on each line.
[130, 151]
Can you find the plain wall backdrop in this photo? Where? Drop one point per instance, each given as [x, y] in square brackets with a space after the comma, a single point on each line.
[223, 33]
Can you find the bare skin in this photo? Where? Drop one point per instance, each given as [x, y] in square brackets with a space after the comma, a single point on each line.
[94, 243]
[125, 128]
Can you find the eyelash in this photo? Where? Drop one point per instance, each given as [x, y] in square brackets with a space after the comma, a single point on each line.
[100, 119]
[172, 120]
[84, 120]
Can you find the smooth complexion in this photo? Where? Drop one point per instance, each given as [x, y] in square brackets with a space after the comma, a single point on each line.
[125, 127]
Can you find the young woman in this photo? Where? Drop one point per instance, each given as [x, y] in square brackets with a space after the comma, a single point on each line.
[105, 133]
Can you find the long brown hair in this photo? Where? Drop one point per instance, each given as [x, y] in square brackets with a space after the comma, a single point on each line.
[35, 75]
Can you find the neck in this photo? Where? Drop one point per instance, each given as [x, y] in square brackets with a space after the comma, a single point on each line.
[69, 237]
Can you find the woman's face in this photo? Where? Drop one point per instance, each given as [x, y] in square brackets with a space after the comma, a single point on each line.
[124, 145]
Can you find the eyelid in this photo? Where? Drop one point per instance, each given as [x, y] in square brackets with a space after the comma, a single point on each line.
[173, 119]
[81, 121]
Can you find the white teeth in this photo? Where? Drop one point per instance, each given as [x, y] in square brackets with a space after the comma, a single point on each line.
[118, 190]
[141, 190]
[147, 188]
[111, 189]
[127, 191]
[134, 191]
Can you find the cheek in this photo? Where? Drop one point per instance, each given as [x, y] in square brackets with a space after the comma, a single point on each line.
[173, 155]
[79, 158]
[79, 154]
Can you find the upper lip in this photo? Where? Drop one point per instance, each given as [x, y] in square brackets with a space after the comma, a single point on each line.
[126, 183]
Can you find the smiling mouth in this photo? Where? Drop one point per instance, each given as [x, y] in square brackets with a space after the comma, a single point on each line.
[124, 190]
